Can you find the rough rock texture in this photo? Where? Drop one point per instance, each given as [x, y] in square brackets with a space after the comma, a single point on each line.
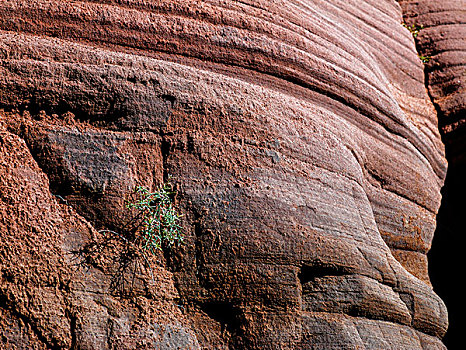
[306, 157]
[443, 39]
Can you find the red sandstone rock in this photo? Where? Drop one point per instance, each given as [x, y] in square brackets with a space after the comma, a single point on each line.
[306, 158]
[443, 40]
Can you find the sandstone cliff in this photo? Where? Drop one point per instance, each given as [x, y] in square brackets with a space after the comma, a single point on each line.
[443, 40]
[305, 152]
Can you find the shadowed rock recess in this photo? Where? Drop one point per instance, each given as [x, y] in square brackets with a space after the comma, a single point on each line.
[305, 153]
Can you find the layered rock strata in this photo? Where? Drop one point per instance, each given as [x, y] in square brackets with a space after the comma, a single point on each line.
[305, 153]
[442, 41]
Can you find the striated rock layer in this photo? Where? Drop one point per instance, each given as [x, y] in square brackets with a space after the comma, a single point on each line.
[305, 153]
[443, 40]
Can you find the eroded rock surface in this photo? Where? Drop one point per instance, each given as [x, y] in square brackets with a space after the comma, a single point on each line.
[306, 157]
[442, 40]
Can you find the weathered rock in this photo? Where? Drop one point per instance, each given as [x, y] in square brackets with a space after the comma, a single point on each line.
[47, 300]
[442, 40]
[303, 146]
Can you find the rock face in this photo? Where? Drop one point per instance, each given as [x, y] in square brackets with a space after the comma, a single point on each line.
[305, 152]
[443, 40]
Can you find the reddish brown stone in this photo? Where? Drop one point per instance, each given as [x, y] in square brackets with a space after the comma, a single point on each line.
[305, 153]
[442, 39]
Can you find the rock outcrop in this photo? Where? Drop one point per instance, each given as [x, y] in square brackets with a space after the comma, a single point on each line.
[306, 157]
[442, 41]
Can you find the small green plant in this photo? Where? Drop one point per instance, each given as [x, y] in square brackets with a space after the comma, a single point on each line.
[424, 59]
[160, 221]
[152, 225]
[413, 29]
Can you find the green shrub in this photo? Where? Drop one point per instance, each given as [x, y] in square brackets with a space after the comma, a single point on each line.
[424, 59]
[160, 224]
[152, 225]
[414, 29]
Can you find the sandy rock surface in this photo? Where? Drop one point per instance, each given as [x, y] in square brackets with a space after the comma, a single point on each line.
[305, 153]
